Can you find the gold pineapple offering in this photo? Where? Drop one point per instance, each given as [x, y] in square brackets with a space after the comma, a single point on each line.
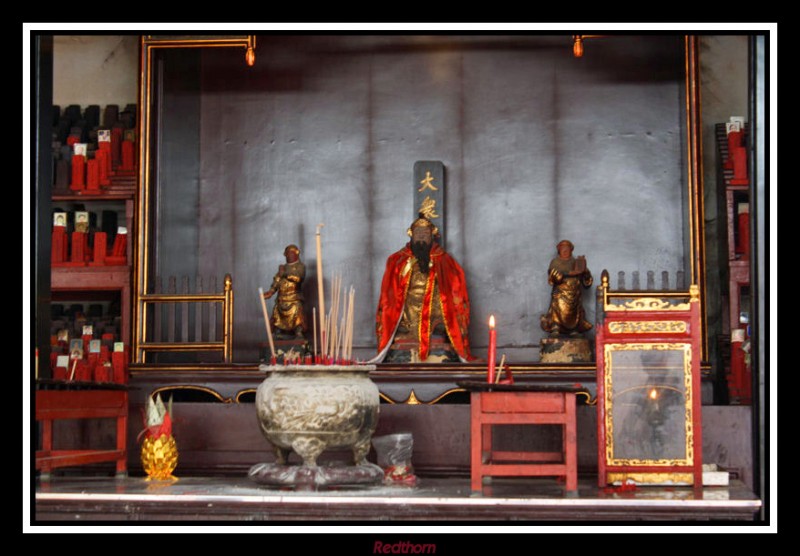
[159, 450]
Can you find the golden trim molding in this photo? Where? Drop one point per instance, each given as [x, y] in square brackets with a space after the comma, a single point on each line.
[648, 327]
[172, 387]
[412, 398]
[651, 478]
[238, 397]
[648, 304]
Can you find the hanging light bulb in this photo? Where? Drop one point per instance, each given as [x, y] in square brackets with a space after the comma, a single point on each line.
[250, 55]
[577, 46]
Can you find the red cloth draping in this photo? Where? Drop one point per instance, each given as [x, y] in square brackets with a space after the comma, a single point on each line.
[452, 296]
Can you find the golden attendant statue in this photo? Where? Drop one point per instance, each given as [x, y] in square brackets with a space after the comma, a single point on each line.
[287, 315]
[567, 275]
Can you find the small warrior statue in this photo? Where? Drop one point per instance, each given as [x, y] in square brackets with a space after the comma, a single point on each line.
[567, 275]
[287, 314]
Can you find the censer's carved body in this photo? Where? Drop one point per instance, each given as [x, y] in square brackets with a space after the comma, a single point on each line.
[311, 408]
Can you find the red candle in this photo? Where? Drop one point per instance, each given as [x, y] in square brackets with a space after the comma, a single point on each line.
[120, 244]
[127, 156]
[116, 143]
[60, 373]
[743, 222]
[734, 140]
[86, 339]
[739, 156]
[100, 240]
[103, 155]
[78, 172]
[58, 245]
[102, 373]
[83, 372]
[91, 362]
[92, 174]
[118, 364]
[492, 349]
[78, 243]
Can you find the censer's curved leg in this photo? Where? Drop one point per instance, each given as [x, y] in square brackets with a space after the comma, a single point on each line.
[309, 449]
[282, 455]
[360, 451]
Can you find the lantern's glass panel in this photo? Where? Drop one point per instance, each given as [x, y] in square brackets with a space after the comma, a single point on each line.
[649, 405]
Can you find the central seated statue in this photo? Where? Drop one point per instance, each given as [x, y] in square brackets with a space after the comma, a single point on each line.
[423, 311]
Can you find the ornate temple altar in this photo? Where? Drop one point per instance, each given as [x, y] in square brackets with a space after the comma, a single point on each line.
[232, 171]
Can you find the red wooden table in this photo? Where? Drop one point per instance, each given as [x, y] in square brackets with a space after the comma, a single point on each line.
[493, 405]
[52, 405]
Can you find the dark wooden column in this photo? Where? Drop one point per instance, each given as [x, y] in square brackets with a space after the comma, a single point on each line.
[41, 186]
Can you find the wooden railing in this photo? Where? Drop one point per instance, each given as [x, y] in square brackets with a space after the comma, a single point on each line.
[191, 320]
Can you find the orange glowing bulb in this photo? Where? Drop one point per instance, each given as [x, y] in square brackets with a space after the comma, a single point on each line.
[577, 47]
[250, 57]
[491, 321]
[653, 394]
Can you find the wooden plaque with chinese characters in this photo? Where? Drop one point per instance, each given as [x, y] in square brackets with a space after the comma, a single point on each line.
[429, 190]
[649, 427]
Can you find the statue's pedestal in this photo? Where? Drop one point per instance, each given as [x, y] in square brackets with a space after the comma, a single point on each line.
[284, 345]
[565, 350]
[407, 351]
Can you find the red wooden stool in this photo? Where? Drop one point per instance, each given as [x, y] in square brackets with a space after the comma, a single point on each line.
[520, 404]
[52, 405]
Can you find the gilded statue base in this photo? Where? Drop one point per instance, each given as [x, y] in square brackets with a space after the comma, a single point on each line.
[565, 350]
[284, 345]
[407, 351]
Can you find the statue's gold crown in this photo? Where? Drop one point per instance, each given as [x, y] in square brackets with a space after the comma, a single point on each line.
[424, 222]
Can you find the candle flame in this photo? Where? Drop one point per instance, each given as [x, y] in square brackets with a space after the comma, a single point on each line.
[653, 395]
[491, 321]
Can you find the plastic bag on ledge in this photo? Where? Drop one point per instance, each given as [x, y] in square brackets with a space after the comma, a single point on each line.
[394, 457]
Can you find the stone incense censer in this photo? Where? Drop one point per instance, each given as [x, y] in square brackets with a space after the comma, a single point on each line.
[308, 409]
[313, 403]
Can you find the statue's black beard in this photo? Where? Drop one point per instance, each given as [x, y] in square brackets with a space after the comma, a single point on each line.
[422, 251]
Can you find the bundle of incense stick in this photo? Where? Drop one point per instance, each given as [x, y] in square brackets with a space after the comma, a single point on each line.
[320, 295]
[339, 325]
[314, 311]
[335, 326]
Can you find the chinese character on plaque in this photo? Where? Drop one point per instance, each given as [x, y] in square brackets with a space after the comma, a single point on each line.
[429, 193]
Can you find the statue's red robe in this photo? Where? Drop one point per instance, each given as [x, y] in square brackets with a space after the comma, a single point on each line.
[453, 298]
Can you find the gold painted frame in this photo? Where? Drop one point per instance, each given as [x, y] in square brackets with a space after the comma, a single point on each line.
[688, 406]
[694, 179]
[141, 259]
